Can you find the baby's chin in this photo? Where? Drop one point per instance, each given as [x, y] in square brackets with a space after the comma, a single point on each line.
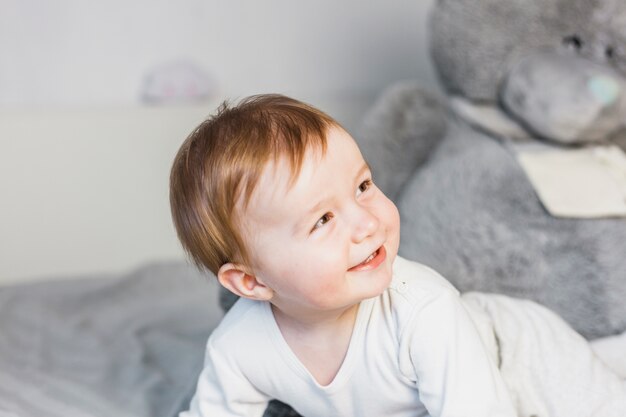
[386, 276]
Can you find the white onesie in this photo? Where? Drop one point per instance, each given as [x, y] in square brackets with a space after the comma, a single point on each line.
[414, 351]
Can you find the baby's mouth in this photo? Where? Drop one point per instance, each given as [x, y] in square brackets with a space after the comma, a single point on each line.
[371, 261]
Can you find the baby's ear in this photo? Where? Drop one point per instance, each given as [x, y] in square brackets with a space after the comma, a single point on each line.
[238, 279]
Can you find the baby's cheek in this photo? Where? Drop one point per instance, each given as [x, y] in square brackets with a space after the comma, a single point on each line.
[396, 216]
[391, 214]
[393, 226]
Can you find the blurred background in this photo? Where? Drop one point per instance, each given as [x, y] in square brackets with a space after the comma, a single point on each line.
[96, 97]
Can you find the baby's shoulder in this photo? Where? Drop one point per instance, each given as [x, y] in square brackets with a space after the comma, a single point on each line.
[244, 322]
[414, 285]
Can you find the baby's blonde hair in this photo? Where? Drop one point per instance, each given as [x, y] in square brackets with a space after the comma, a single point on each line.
[221, 162]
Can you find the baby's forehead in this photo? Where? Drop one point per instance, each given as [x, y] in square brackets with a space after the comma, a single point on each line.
[281, 174]
[269, 205]
[286, 170]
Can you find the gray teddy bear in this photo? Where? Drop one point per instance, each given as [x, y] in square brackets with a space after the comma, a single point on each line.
[501, 184]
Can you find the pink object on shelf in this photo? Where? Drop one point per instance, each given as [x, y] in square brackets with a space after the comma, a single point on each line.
[177, 82]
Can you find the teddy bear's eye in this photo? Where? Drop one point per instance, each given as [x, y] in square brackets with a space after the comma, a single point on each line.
[573, 41]
[609, 52]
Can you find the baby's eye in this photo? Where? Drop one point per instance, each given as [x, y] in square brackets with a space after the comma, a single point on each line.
[364, 186]
[322, 221]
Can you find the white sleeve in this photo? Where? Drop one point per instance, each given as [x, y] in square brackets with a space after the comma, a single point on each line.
[455, 376]
[223, 391]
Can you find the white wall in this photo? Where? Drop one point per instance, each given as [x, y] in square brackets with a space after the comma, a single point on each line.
[83, 167]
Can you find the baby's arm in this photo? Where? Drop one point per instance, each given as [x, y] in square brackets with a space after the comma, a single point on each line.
[455, 376]
[223, 391]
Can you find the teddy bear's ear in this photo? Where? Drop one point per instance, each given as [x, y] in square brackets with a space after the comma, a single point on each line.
[399, 133]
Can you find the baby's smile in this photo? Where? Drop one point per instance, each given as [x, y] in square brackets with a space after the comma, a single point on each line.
[372, 261]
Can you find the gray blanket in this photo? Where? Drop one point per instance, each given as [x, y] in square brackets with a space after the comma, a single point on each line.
[125, 346]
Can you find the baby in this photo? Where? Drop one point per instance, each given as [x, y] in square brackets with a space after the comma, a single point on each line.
[274, 198]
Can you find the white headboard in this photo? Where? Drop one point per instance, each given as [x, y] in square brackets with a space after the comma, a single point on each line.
[87, 191]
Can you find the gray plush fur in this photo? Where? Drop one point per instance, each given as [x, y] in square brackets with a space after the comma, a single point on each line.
[404, 125]
[469, 210]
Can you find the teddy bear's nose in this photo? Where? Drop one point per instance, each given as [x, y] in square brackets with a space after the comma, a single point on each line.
[604, 88]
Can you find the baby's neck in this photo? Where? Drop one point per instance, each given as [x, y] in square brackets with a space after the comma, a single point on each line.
[320, 345]
[315, 324]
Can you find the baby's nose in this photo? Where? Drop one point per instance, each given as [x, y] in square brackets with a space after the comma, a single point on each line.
[365, 225]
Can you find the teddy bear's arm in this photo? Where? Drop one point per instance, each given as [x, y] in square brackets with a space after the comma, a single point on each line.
[399, 132]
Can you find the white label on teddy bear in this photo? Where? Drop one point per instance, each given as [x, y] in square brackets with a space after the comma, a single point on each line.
[577, 183]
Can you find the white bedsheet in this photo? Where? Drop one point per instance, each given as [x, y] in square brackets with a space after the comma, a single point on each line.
[612, 351]
[550, 370]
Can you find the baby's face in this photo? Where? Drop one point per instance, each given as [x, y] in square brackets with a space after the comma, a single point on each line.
[328, 241]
